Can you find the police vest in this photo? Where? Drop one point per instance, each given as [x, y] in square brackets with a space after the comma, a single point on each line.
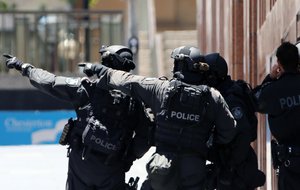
[182, 123]
[107, 121]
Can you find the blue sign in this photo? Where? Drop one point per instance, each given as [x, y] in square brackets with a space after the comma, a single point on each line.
[32, 127]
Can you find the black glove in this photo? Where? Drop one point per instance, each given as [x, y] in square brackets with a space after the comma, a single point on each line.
[132, 183]
[90, 69]
[87, 69]
[12, 62]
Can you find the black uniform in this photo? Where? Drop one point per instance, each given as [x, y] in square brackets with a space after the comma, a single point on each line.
[240, 168]
[280, 99]
[182, 126]
[102, 144]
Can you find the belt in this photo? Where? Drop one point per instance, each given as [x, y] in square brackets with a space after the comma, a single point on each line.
[179, 150]
[293, 151]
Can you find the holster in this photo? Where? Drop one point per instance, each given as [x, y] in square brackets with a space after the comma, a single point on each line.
[65, 136]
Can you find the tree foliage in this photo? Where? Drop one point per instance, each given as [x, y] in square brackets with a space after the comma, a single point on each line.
[91, 2]
[3, 5]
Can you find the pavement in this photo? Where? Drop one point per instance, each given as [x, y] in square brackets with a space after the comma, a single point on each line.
[36, 167]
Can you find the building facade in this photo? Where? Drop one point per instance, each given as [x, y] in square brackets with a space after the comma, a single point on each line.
[247, 33]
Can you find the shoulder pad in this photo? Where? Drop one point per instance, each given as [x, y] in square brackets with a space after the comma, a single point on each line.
[214, 92]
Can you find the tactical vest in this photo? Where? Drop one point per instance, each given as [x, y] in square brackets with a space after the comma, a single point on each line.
[182, 123]
[106, 122]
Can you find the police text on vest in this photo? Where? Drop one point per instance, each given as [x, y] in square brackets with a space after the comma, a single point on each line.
[290, 101]
[185, 116]
[103, 143]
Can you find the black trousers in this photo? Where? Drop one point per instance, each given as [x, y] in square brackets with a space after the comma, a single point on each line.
[187, 173]
[245, 176]
[92, 173]
[288, 179]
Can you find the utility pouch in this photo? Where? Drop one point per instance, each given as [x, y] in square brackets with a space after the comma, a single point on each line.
[98, 138]
[162, 171]
[64, 138]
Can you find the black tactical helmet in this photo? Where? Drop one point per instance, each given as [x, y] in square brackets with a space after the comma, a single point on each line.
[217, 65]
[189, 64]
[117, 57]
[218, 69]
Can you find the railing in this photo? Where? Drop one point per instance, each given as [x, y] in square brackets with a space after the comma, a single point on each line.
[58, 40]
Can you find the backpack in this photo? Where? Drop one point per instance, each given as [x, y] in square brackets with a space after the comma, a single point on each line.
[243, 90]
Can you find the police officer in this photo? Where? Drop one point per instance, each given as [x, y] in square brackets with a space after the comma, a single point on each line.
[185, 110]
[278, 96]
[110, 130]
[239, 170]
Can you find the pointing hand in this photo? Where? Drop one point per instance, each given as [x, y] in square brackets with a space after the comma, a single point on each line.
[12, 62]
[87, 68]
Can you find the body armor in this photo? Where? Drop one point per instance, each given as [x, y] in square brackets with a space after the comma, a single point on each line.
[182, 122]
[104, 122]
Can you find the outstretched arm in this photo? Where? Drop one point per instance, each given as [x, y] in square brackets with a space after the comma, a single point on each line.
[143, 88]
[64, 88]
